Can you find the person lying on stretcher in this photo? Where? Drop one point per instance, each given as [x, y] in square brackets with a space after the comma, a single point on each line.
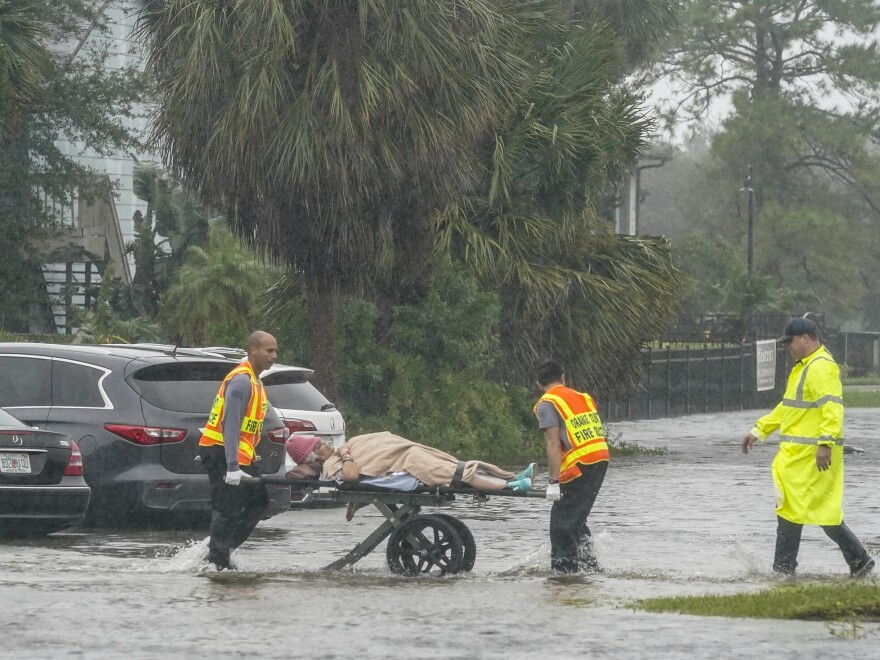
[390, 461]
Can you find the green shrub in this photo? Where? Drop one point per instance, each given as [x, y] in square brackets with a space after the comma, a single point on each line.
[430, 381]
[45, 339]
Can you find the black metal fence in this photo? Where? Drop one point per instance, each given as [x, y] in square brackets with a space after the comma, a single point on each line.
[699, 380]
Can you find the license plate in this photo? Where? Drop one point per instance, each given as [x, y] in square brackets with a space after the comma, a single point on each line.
[15, 463]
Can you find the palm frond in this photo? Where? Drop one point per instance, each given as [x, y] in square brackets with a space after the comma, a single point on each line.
[23, 57]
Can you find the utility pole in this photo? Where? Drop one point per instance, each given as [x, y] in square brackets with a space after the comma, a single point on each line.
[751, 330]
[750, 197]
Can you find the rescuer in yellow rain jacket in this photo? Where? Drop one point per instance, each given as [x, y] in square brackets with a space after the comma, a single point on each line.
[808, 468]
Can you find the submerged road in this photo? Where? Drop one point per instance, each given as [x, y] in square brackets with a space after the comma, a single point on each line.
[697, 520]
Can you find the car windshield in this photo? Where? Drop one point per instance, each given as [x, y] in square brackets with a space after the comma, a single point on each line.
[8, 420]
[181, 386]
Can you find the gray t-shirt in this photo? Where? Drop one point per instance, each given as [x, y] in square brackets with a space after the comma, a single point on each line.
[548, 417]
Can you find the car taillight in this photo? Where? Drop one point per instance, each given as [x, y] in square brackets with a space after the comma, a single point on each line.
[146, 435]
[279, 435]
[299, 425]
[74, 463]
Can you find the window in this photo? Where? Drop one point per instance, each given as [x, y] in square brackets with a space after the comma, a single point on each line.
[24, 381]
[289, 390]
[8, 420]
[76, 385]
[181, 386]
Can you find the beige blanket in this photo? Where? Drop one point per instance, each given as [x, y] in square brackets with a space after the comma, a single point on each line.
[377, 454]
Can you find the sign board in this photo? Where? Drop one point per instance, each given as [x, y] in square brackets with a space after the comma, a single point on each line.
[765, 368]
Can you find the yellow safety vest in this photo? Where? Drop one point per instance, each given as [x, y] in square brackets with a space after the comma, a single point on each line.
[810, 414]
[251, 423]
[583, 427]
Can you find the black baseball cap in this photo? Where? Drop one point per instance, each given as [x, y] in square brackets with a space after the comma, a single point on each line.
[798, 326]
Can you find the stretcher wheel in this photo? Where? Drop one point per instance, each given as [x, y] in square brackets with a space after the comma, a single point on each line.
[425, 544]
[469, 545]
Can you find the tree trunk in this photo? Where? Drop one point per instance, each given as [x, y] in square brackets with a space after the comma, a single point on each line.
[321, 308]
[413, 274]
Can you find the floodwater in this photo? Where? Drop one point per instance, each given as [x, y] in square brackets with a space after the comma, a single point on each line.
[698, 520]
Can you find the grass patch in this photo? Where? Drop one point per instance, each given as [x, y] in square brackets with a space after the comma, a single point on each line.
[622, 448]
[861, 399]
[618, 447]
[817, 602]
[862, 380]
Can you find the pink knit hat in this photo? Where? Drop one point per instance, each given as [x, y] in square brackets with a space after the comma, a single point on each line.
[300, 446]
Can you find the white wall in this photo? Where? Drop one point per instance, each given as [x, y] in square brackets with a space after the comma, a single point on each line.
[119, 166]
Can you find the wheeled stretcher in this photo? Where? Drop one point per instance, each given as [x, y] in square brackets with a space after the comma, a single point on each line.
[418, 543]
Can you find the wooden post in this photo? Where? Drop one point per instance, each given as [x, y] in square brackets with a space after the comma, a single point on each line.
[668, 379]
[705, 377]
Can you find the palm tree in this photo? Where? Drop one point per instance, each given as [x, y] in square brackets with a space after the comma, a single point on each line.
[641, 26]
[328, 131]
[174, 220]
[570, 287]
[214, 291]
[22, 58]
[331, 132]
[101, 324]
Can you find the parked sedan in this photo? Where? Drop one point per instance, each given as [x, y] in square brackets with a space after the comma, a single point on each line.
[42, 489]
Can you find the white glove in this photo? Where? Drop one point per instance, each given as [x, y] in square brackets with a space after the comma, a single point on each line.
[552, 492]
[234, 477]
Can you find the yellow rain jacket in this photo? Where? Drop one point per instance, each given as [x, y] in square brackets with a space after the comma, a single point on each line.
[810, 414]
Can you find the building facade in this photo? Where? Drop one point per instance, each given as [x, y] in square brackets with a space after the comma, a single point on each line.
[96, 231]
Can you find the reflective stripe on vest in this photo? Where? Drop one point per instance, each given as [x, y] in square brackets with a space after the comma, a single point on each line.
[251, 423]
[586, 438]
[800, 403]
[818, 403]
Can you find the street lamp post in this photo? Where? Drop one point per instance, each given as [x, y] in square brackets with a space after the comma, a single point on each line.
[750, 205]
[750, 197]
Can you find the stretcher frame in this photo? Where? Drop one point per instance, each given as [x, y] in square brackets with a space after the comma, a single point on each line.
[417, 543]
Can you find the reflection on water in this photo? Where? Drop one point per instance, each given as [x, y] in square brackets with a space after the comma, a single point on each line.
[697, 520]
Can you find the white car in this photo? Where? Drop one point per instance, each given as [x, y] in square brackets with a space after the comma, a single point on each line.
[298, 403]
[301, 406]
